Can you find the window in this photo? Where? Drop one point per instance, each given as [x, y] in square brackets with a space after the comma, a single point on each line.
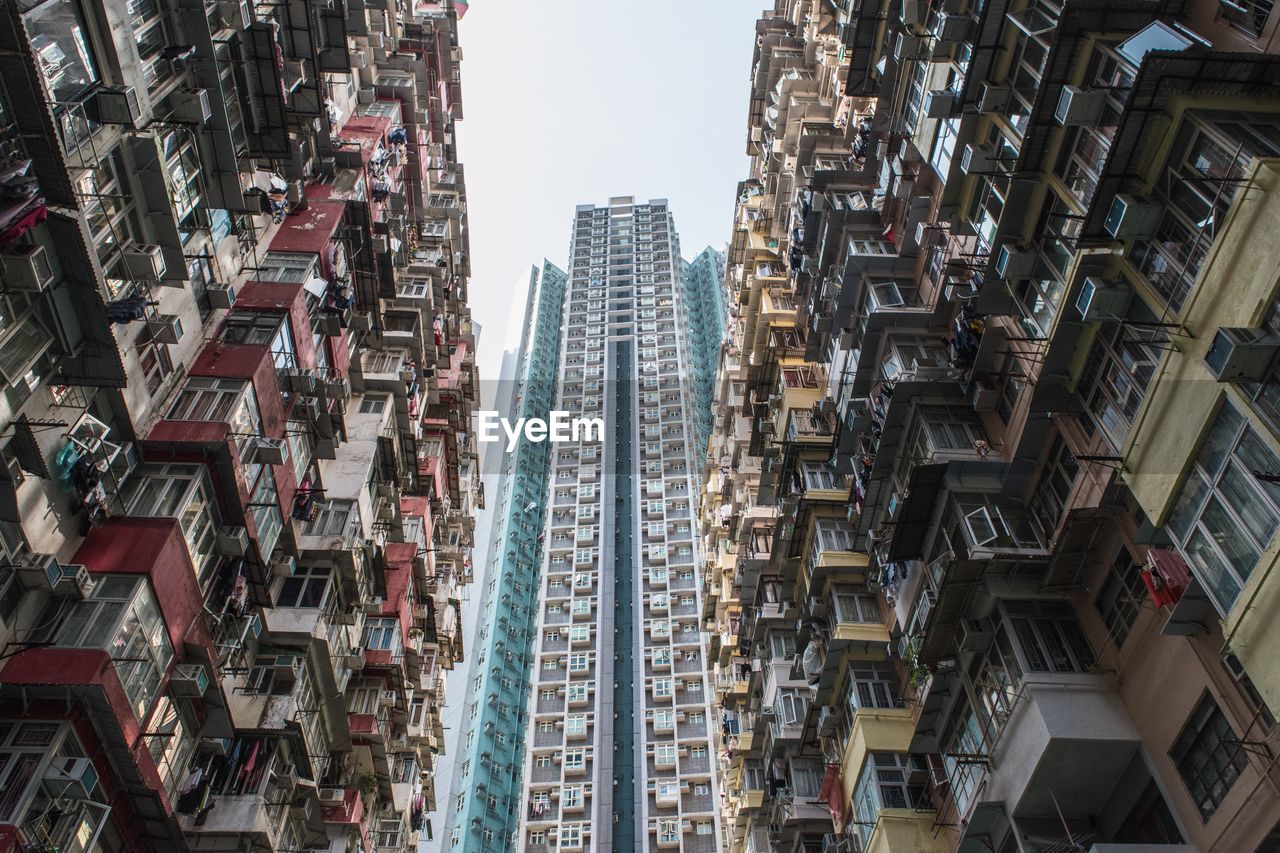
[577, 692]
[854, 606]
[381, 634]
[229, 401]
[1209, 756]
[1056, 481]
[1116, 375]
[663, 688]
[1049, 636]
[542, 760]
[184, 492]
[306, 587]
[63, 48]
[571, 797]
[122, 618]
[818, 475]
[575, 759]
[388, 833]
[154, 358]
[1121, 597]
[664, 754]
[333, 518]
[373, 405]
[834, 535]
[883, 785]
[575, 725]
[1226, 517]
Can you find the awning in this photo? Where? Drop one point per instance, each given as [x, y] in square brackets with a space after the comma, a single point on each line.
[913, 520]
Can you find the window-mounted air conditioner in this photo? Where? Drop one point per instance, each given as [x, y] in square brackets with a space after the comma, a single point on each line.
[941, 103]
[1132, 218]
[1103, 300]
[1014, 262]
[189, 680]
[977, 159]
[1077, 106]
[994, 97]
[1242, 355]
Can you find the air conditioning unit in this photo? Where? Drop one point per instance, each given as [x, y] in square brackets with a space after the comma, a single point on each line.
[331, 796]
[994, 98]
[27, 268]
[953, 27]
[1242, 355]
[355, 658]
[71, 779]
[221, 295]
[373, 605]
[192, 105]
[165, 328]
[270, 451]
[115, 105]
[189, 680]
[233, 541]
[284, 567]
[360, 58]
[1131, 218]
[1014, 263]
[143, 262]
[1077, 106]
[74, 581]
[973, 635]
[286, 669]
[908, 47]
[977, 158]
[941, 103]
[380, 243]
[1102, 300]
[985, 398]
[309, 406]
[366, 95]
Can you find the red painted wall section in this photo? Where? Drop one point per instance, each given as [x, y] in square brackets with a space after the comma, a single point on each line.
[90, 670]
[247, 361]
[291, 299]
[339, 357]
[153, 547]
[399, 575]
[309, 231]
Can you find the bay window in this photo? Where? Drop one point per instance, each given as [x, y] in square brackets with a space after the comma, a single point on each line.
[121, 618]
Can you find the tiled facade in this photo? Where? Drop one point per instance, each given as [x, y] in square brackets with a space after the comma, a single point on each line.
[486, 787]
[619, 737]
[239, 478]
[990, 507]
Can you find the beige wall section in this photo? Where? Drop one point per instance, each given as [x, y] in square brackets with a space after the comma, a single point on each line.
[1239, 282]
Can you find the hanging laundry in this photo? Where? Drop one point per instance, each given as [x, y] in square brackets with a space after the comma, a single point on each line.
[129, 310]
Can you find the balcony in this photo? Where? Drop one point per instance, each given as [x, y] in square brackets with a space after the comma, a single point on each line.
[1065, 734]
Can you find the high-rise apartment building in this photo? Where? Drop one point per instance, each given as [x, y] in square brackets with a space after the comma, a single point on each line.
[992, 514]
[239, 478]
[706, 310]
[484, 809]
[619, 741]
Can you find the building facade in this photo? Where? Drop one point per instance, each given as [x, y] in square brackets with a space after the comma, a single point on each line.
[619, 733]
[239, 479]
[706, 306]
[990, 508]
[486, 793]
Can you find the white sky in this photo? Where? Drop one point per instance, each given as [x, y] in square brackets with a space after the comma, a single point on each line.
[569, 102]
